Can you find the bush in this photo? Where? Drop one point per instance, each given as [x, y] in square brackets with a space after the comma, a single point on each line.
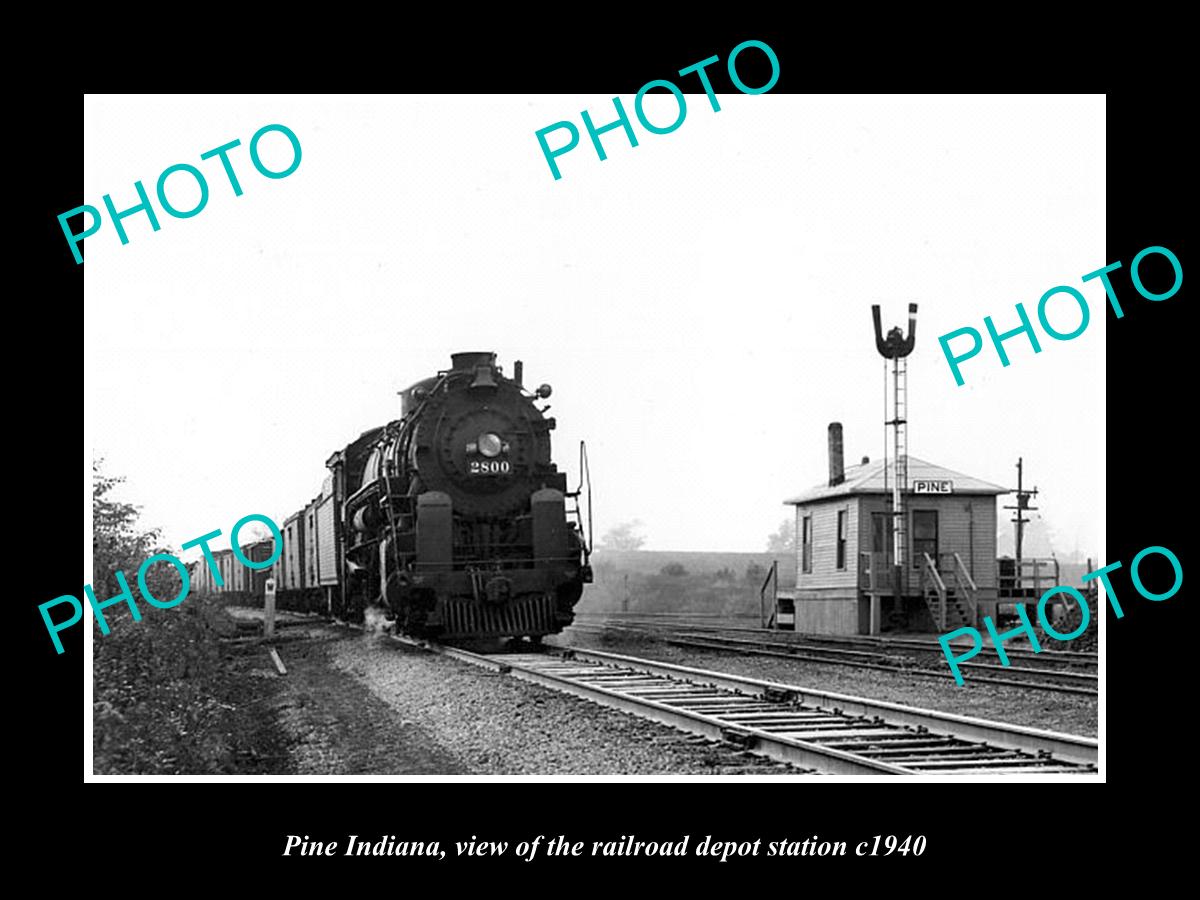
[157, 689]
[165, 700]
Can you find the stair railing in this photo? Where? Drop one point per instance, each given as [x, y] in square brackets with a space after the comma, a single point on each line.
[966, 587]
[930, 575]
[773, 580]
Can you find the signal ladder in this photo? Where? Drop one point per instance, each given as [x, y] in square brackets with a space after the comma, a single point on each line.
[899, 423]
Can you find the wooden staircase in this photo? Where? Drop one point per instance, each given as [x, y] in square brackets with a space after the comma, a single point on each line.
[952, 601]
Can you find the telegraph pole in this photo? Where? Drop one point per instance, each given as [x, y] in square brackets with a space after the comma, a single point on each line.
[1023, 498]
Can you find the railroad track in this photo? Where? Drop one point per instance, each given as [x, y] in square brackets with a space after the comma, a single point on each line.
[898, 656]
[1066, 658]
[817, 730]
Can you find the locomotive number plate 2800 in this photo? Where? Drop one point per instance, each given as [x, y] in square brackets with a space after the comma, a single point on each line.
[490, 466]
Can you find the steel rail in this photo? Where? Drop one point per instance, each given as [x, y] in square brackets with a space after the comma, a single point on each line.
[766, 648]
[878, 654]
[796, 752]
[669, 620]
[832, 733]
[797, 652]
[1070, 747]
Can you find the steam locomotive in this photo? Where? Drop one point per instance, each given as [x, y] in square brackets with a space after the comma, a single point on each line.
[453, 518]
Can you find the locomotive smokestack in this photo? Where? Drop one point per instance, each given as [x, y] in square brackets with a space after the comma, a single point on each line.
[518, 372]
[471, 360]
[837, 473]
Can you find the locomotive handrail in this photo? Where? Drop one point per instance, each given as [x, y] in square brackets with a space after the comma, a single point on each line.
[588, 465]
[392, 536]
[405, 439]
[585, 479]
[407, 434]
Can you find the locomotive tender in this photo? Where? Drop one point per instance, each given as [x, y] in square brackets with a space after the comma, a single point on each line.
[453, 519]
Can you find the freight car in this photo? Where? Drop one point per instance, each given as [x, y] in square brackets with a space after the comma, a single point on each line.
[452, 519]
[231, 578]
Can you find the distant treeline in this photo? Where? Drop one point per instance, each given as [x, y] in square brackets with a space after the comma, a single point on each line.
[715, 583]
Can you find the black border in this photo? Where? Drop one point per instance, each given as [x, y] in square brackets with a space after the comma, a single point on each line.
[1146, 446]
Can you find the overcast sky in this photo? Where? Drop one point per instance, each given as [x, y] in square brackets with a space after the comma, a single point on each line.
[700, 303]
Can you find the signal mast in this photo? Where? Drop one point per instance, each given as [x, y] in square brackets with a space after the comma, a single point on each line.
[896, 347]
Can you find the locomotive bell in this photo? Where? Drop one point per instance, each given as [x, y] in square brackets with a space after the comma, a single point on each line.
[484, 377]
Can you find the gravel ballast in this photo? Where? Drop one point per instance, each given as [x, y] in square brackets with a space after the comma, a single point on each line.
[496, 725]
[198, 693]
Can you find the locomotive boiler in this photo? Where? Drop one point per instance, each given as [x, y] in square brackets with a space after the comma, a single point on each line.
[456, 520]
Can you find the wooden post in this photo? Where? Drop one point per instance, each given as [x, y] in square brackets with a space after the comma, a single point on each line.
[875, 604]
[269, 609]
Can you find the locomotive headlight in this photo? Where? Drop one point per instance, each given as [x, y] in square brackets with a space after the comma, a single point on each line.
[490, 445]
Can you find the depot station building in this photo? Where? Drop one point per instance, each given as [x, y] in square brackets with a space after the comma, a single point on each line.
[847, 577]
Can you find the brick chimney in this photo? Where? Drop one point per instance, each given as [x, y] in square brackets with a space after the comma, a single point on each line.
[837, 473]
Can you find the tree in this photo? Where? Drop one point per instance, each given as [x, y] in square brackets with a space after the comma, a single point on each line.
[674, 570]
[783, 540]
[755, 574]
[625, 536]
[119, 544]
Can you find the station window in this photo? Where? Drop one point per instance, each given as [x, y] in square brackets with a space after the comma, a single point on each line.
[881, 532]
[806, 544]
[924, 535]
[843, 516]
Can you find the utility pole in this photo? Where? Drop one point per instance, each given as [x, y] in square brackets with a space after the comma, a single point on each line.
[1023, 498]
